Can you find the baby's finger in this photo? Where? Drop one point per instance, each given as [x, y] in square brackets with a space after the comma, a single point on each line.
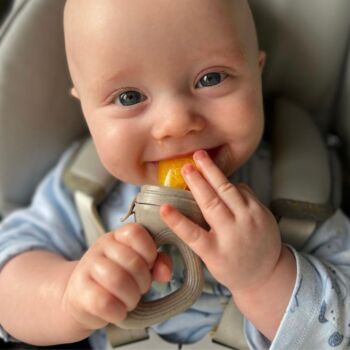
[214, 210]
[229, 193]
[249, 195]
[132, 262]
[80, 308]
[245, 188]
[90, 321]
[97, 304]
[162, 268]
[116, 281]
[136, 237]
[198, 239]
[254, 205]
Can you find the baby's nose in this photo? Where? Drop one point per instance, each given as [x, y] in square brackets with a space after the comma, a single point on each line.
[177, 121]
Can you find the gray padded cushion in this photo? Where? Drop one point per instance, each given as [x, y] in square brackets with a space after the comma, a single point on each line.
[38, 118]
[306, 43]
[301, 176]
[343, 111]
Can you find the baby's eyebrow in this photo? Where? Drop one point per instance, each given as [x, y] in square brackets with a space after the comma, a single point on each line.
[235, 54]
[110, 77]
[101, 83]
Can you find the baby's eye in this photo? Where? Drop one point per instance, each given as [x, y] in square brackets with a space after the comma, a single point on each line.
[129, 98]
[211, 79]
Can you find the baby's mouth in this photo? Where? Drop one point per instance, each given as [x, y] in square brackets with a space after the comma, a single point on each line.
[171, 168]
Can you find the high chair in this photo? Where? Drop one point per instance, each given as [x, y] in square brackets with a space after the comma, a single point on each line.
[306, 88]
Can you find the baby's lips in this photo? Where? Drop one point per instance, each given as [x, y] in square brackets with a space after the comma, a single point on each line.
[169, 172]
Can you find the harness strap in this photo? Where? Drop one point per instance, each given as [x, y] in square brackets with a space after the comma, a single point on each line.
[85, 173]
[88, 214]
[295, 232]
[118, 337]
[230, 332]
[301, 175]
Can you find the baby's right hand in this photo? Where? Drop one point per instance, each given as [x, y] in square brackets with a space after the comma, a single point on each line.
[112, 275]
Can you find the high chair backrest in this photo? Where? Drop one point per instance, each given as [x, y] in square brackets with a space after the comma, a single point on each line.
[38, 118]
[306, 44]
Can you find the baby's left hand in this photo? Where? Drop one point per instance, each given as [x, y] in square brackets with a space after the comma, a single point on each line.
[243, 245]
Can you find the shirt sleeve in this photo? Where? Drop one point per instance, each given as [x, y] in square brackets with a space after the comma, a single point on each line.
[50, 222]
[318, 313]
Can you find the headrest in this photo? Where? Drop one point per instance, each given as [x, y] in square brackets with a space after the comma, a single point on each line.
[38, 117]
[306, 44]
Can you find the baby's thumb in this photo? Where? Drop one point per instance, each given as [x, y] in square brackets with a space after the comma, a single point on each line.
[162, 268]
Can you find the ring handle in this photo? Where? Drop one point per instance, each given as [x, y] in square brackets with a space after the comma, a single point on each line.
[146, 210]
[151, 312]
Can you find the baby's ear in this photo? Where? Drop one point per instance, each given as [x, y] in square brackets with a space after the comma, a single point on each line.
[262, 59]
[74, 92]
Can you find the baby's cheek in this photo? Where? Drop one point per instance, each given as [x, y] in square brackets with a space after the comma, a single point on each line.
[110, 158]
[125, 166]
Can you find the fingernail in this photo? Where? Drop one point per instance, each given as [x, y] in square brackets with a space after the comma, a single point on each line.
[200, 154]
[187, 169]
[166, 209]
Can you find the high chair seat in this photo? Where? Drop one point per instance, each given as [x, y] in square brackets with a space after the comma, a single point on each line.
[38, 118]
[306, 44]
[307, 49]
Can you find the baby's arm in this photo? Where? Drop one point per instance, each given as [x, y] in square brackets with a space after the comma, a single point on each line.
[61, 301]
[33, 273]
[243, 248]
[30, 303]
[265, 305]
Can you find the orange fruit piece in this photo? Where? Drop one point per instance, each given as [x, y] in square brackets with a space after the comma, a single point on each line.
[169, 172]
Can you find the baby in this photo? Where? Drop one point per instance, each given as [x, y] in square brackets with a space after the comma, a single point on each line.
[179, 78]
[158, 80]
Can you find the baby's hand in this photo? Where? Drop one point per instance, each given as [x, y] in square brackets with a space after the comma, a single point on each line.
[243, 245]
[111, 277]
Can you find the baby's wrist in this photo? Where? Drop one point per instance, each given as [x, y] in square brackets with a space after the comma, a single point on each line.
[76, 330]
[285, 268]
[271, 297]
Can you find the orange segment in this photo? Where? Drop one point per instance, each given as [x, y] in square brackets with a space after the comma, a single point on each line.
[169, 172]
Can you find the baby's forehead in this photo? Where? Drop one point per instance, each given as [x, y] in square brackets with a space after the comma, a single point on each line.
[122, 27]
[91, 17]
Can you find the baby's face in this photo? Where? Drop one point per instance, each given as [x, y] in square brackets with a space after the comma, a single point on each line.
[160, 79]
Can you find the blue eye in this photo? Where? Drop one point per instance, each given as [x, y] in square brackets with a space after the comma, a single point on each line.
[211, 79]
[129, 98]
